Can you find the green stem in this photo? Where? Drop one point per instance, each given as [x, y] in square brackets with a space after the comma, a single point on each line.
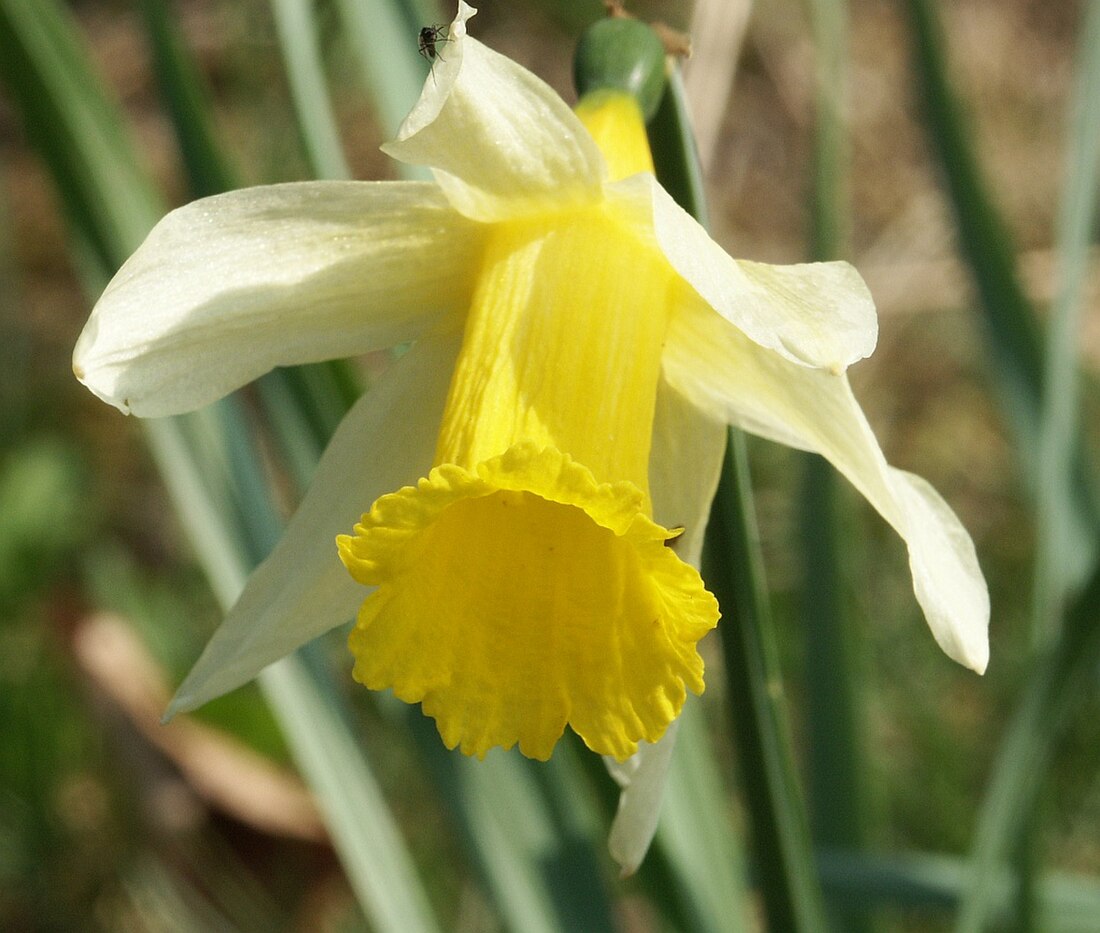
[732, 567]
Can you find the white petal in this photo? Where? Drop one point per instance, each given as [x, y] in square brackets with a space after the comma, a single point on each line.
[302, 590]
[684, 463]
[642, 777]
[502, 142]
[231, 286]
[817, 314]
[719, 369]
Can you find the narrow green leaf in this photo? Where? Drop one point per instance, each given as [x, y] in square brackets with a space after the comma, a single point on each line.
[356, 813]
[838, 775]
[187, 101]
[1059, 429]
[733, 570]
[297, 29]
[289, 422]
[76, 128]
[830, 208]
[915, 881]
[1015, 342]
[675, 155]
[1060, 679]
[510, 850]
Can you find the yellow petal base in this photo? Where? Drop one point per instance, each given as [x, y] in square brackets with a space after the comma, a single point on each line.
[615, 121]
[524, 596]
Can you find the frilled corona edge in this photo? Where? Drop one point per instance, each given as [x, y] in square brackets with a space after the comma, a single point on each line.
[524, 596]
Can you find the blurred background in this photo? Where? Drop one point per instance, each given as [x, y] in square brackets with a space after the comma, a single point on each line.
[109, 820]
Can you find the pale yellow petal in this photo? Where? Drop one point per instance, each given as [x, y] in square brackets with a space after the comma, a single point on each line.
[684, 462]
[722, 371]
[501, 141]
[642, 778]
[231, 286]
[816, 314]
[302, 590]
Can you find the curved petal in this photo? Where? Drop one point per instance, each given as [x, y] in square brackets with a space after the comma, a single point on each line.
[231, 286]
[502, 142]
[302, 590]
[720, 370]
[642, 778]
[816, 314]
[684, 463]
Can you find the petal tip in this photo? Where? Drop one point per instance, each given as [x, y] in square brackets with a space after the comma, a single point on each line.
[465, 11]
[977, 657]
[180, 703]
[87, 378]
[627, 870]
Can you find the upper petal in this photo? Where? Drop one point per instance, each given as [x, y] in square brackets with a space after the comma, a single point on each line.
[715, 366]
[228, 287]
[502, 142]
[302, 590]
[816, 314]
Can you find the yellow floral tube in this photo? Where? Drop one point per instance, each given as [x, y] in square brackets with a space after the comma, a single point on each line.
[523, 585]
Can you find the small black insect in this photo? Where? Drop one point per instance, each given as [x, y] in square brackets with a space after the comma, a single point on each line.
[430, 36]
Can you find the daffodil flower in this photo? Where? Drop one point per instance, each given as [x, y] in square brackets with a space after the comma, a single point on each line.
[539, 465]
